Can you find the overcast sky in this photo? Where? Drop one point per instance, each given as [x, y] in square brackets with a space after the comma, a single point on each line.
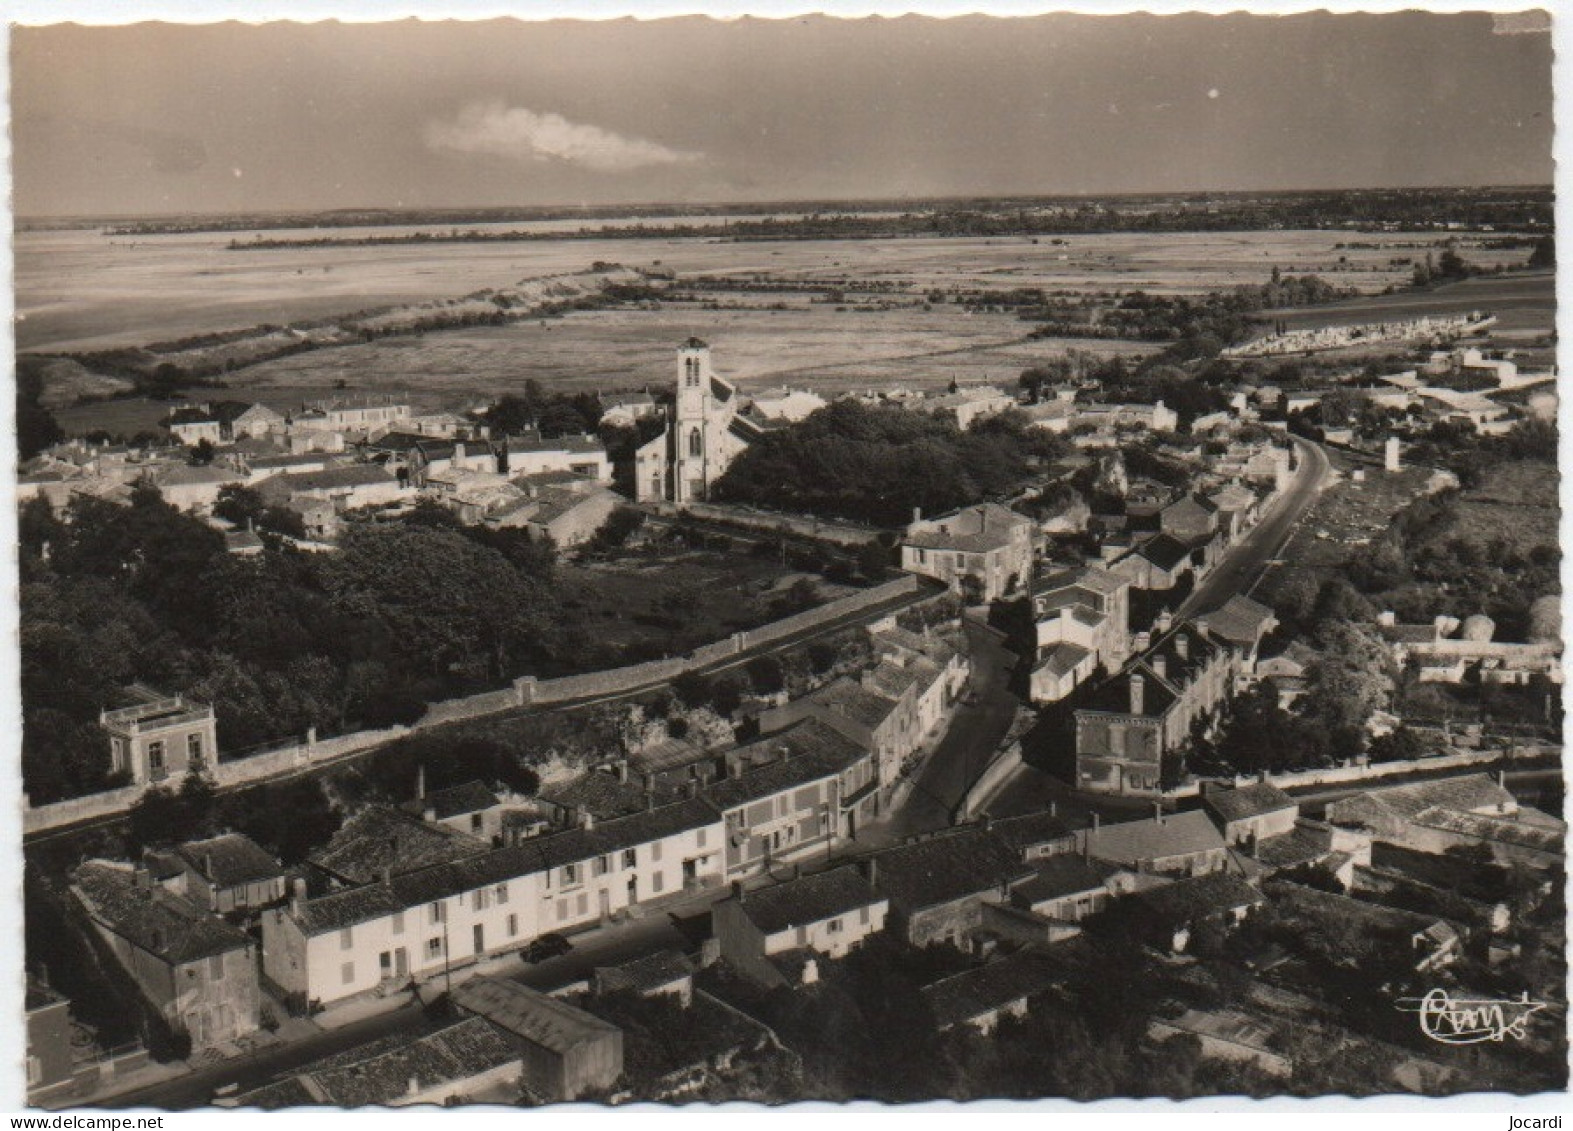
[162, 118]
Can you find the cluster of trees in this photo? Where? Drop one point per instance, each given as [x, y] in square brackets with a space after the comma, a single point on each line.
[1429, 561]
[404, 614]
[36, 426]
[876, 464]
[1223, 316]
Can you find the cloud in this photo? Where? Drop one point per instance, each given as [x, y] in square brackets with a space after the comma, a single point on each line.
[529, 135]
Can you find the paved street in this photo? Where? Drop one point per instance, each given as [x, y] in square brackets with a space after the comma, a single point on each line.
[1031, 789]
[1244, 565]
[974, 734]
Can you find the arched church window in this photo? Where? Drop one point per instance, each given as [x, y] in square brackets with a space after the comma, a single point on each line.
[695, 443]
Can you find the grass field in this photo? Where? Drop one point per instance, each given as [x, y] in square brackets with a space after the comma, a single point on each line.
[628, 348]
[1515, 504]
[647, 605]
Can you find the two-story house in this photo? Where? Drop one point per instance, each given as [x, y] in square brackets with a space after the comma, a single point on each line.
[983, 551]
[1083, 623]
[1146, 711]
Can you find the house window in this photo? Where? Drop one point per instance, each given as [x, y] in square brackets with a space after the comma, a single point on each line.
[699, 838]
[657, 882]
[436, 912]
[513, 925]
[434, 947]
[398, 922]
[570, 873]
[479, 901]
[833, 927]
[501, 892]
[346, 938]
[630, 858]
[562, 910]
[603, 865]
[117, 753]
[155, 757]
[477, 822]
[863, 916]
[655, 852]
[347, 973]
[216, 968]
[194, 748]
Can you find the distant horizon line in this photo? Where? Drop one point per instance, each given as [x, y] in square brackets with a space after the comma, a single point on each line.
[832, 201]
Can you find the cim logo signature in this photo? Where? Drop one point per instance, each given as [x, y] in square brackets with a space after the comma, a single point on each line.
[1465, 1021]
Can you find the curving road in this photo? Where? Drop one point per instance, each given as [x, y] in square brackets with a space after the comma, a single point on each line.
[1244, 564]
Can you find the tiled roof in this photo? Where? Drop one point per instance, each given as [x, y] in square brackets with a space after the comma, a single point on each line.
[603, 795]
[1503, 830]
[576, 845]
[379, 838]
[329, 478]
[1134, 842]
[811, 751]
[1062, 659]
[1164, 551]
[151, 918]
[851, 700]
[1198, 897]
[230, 859]
[976, 529]
[1238, 620]
[574, 445]
[383, 1072]
[1248, 801]
[1476, 791]
[455, 801]
[1306, 843]
[946, 867]
[809, 899]
[973, 993]
[1030, 830]
[1063, 875]
[650, 972]
[545, 1021]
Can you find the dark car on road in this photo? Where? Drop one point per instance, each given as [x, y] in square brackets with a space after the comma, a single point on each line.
[547, 946]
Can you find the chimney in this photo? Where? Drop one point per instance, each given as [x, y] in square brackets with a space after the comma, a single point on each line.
[1137, 690]
[207, 865]
[587, 820]
[917, 514]
[870, 870]
[1182, 645]
[297, 895]
[1160, 667]
[622, 770]
[429, 814]
[414, 1086]
[420, 782]
[1054, 808]
[1157, 812]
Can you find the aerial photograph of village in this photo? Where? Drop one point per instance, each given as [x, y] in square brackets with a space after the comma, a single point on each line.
[688, 561]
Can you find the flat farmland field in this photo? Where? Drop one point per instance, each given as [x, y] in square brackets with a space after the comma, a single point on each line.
[78, 290]
[1525, 304]
[627, 348]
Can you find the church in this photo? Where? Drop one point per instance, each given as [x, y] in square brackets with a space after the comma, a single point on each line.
[703, 435]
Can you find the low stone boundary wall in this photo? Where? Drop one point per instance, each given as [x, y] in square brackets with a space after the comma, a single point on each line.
[295, 757]
[845, 534]
[1343, 775]
[993, 776]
